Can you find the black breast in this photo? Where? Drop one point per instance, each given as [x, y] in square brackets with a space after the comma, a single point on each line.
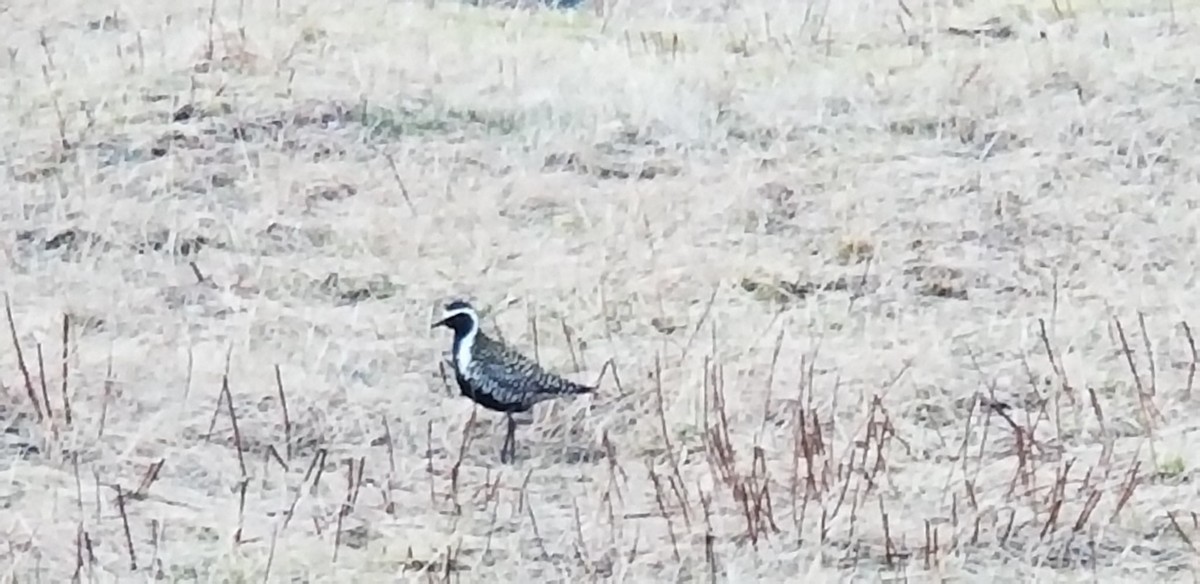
[485, 398]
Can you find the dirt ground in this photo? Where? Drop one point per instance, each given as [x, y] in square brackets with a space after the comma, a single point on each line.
[892, 291]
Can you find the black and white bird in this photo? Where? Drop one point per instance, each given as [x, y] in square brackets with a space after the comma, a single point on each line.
[496, 376]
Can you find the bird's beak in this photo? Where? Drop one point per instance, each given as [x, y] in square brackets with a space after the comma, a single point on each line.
[438, 323]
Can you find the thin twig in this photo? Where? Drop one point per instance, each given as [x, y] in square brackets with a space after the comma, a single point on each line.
[66, 330]
[241, 516]
[237, 434]
[287, 420]
[42, 376]
[570, 342]
[680, 490]
[1149, 353]
[270, 555]
[12, 328]
[662, 508]
[1187, 331]
[399, 182]
[703, 317]
[125, 525]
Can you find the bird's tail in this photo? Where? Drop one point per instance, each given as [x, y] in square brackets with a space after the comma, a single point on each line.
[560, 386]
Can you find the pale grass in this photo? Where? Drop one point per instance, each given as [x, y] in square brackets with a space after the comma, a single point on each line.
[1078, 212]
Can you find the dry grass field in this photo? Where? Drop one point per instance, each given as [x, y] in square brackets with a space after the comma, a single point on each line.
[893, 291]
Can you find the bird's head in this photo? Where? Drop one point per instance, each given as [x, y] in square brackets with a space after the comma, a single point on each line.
[460, 317]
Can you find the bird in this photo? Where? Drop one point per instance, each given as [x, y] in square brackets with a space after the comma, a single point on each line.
[496, 376]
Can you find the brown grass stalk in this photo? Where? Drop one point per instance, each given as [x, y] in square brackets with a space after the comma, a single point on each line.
[12, 329]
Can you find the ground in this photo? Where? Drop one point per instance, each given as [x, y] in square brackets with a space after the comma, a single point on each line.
[888, 290]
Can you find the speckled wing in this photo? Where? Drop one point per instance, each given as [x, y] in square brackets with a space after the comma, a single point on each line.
[517, 377]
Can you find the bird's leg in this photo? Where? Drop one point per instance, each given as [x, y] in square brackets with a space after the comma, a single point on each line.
[509, 450]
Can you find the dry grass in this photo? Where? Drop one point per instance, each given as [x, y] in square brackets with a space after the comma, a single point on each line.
[885, 301]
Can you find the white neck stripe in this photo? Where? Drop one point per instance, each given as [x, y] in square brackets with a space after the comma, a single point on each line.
[462, 350]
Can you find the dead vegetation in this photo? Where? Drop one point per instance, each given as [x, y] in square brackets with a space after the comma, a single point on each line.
[886, 296]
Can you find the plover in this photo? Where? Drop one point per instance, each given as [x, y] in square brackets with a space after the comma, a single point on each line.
[496, 376]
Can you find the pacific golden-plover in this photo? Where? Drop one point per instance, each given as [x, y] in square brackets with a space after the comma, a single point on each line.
[496, 376]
